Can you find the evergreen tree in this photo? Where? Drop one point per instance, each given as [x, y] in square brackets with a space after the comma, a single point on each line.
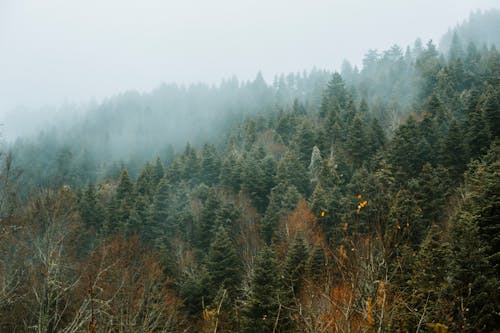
[490, 108]
[91, 210]
[160, 233]
[473, 286]
[316, 265]
[206, 225]
[292, 171]
[282, 200]
[356, 144]
[157, 172]
[293, 273]
[223, 264]
[260, 311]
[210, 165]
[453, 153]
[477, 134]
[120, 206]
[429, 279]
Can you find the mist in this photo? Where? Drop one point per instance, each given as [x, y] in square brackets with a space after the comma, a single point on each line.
[57, 52]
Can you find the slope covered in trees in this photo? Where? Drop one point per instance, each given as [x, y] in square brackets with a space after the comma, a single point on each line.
[368, 201]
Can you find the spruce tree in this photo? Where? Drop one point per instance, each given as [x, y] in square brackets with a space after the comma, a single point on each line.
[473, 286]
[223, 264]
[429, 279]
[90, 209]
[261, 309]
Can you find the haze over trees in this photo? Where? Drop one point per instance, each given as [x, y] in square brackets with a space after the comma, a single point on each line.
[365, 200]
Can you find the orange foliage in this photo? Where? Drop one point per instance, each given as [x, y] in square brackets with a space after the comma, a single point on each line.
[302, 222]
[127, 288]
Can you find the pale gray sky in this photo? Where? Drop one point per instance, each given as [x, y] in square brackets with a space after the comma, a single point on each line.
[73, 50]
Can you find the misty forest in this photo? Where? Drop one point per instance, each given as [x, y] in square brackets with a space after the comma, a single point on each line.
[360, 200]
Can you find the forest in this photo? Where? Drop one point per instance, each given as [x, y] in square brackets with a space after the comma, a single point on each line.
[364, 200]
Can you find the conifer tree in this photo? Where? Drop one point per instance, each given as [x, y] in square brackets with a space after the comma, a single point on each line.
[472, 279]
[210, 165]
[453, 154]
[429, 279]
[316, 265]
[356, 142]
[292, 171]
[90, 209]
[261, 310]
[161, 233]
[223, 264]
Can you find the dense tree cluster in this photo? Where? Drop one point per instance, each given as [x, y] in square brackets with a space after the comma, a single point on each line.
[368, 202]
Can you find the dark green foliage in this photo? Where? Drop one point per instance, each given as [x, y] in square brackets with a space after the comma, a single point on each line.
[376, 138]
[282, 200]
[304, 142]
[205, 229]
[453, 153]
[316, 265]
[258, 178]
[431, 193]
[379, 155]
[477, 134]
[194, 288]
[262, 305]
[223, 264]
[293, 273]
[293, 172]
[160, 231]
[91, 211]
[357, 141]
[230, 172]
[473, 287]
[429, 278]
[210, 165]
[491, 110]
[406, 225]
[295, 264]
[408, 150]
[120, 206]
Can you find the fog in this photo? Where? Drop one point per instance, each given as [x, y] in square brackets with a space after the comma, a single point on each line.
[55, 51]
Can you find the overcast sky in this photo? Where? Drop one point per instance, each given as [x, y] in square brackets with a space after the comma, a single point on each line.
[53, 51]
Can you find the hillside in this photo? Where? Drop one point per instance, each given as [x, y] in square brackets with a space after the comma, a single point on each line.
[360, 201]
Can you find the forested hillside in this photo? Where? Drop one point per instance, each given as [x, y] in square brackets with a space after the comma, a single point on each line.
[360, 201]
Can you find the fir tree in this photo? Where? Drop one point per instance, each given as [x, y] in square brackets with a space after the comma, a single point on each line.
[260, 311]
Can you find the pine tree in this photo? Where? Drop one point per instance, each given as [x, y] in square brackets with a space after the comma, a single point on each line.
[157, 173]
[282, 200]
[316, 265]
[293, 273]
[204, 231]
[429, 278]
[376, 138]
[223, 264]
[120, 206]
[262, 307]
[210, 165]
[91, 210]
[431, 193]
[292, 171]
[160, 233]
[477, 134]
[453, 153]
[472, 279]
[144, 184]
[356, 144]
[295, 264]
[490, 107]
[304, 141]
